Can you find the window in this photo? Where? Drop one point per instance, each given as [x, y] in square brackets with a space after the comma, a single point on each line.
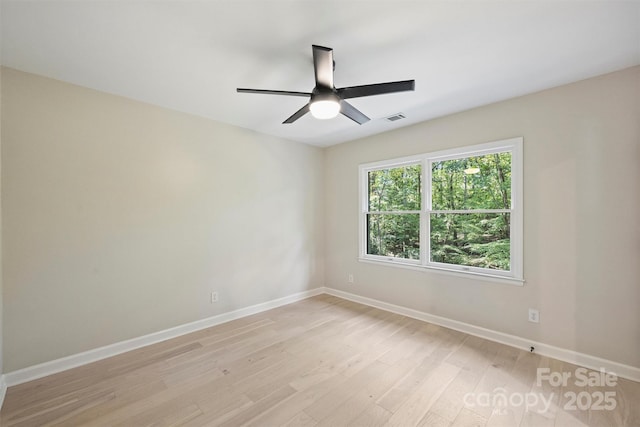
[457, 210]
[393, 211]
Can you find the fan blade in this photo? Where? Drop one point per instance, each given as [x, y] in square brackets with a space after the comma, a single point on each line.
[301, 112]
[273, 92]
[352, 112]
[376, 89]
[323, 66]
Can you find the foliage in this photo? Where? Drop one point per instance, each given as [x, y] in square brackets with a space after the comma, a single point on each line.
[395, 189]
[474, 240]
[471, 239]
[393, 234]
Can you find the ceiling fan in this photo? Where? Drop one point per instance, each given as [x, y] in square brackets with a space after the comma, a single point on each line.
[326, 101]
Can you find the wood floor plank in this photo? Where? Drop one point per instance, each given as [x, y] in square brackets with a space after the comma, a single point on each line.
[468, 418]
[298, 402]
[413, 409]
[59, 412]
[547, 397]
[299, 420]
[123, 397]
[365, 395]
[579, 415]
[321, 361]
[496, 378]
[536, 419]
[372, 416]
[451, 402]
[408, 343]
[519, 383]
[325, 405]
[432, 419]
[260, 406]
[410, 383]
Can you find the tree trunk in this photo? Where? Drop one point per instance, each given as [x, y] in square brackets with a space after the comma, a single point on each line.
[505, 197]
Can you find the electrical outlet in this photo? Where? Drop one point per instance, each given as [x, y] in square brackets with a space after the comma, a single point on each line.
[214, 297]
[534, 315]
[350, 278]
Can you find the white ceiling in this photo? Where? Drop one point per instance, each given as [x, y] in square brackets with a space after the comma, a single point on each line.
[191, 55]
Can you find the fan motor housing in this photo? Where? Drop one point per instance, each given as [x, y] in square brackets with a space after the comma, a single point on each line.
[324, 94]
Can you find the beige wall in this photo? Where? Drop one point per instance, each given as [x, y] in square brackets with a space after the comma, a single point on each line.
[1, 290]
[120, 218]
[581, 218]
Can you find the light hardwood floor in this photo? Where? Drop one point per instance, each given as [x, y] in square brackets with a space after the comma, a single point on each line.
[323, 361]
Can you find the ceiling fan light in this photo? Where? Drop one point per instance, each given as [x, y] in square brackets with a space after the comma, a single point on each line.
[324, 109]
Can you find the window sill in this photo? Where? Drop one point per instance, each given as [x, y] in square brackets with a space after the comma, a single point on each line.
[450, 272]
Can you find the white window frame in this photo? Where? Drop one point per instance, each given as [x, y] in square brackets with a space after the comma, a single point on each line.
[515, 274]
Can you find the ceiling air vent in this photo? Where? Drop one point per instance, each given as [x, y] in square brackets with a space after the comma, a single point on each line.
[396, 117]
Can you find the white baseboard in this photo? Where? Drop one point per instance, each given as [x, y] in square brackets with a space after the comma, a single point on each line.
[3, 390]
[581, 359]
[48, 368]
[59, 365]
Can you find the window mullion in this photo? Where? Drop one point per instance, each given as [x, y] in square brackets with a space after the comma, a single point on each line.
[469, 211]
[425, 220]
[391, 212]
